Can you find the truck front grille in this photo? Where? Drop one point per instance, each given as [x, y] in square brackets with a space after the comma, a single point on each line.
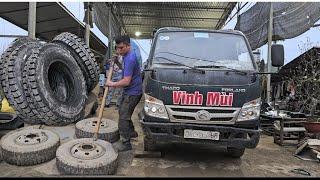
[204, 115]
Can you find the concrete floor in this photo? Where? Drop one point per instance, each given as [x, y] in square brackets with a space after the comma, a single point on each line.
[266, 160]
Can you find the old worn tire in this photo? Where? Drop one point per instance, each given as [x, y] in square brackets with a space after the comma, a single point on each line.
[83, 55]
[16, 43]
[108, 130]
[235, 152]
[5, 55]
[56, 85]
[72, 160]
[21, 154]
[12, 82]
[10, 121]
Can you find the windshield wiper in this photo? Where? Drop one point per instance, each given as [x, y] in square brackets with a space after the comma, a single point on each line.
[218, 66]
[179, 63]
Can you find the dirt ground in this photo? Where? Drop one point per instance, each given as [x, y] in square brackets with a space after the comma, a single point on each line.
[266, 160]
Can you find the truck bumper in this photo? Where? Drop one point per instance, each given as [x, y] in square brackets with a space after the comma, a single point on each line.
[168, 132]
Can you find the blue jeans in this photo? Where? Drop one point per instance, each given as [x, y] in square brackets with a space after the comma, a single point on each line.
[112, 90]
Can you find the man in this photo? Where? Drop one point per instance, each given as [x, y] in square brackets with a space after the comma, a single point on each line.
[116, 76]
[132, 90]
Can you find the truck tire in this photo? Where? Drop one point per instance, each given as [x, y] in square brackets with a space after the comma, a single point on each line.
[86, 157]
[83, 55]
[4, 56]
[10, 121]
[16, 43]
[235, 152]
[149, 144]
[29, 146]
[56, 85]
[12, 82]
[108, 129]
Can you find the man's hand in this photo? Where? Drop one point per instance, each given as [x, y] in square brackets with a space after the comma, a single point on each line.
[109, 83]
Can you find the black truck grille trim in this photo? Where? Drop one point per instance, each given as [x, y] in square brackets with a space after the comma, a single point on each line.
[202, 115]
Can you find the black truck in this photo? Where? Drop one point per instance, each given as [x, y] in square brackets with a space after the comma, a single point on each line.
[202, 86]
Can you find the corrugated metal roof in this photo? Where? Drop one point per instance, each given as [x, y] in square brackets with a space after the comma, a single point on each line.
[52, 19]
[145, 16]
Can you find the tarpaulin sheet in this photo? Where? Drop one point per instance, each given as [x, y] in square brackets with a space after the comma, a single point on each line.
[289, 20]
[101, 19]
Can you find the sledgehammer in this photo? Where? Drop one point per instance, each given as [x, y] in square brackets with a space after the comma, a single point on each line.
[105, 93]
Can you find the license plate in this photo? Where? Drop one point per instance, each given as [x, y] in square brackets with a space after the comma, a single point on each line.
[199, 134]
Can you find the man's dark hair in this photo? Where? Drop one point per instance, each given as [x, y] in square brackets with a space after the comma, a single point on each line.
[123, 39]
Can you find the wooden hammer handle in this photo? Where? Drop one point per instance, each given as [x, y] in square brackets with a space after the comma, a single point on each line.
[105, 93]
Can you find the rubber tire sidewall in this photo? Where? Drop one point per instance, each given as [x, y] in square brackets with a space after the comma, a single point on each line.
[105, 164]
[110, 134]
[26, 111]
[28, 154]
[46, 57]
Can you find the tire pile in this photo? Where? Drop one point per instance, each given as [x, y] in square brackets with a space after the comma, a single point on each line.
[48, 82]
[83, 156]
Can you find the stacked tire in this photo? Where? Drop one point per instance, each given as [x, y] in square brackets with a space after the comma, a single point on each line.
[48, 83]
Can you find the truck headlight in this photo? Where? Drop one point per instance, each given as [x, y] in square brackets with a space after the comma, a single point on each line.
[250, 110]
[155, 107]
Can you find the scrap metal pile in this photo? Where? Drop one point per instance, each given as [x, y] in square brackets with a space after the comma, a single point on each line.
[305, 74]
[48, 82]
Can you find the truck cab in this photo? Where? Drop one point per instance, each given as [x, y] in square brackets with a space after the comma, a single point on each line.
[201, 86]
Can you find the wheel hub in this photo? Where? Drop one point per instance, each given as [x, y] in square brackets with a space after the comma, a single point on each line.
[103, 123]
[87, 151]
[32, 138]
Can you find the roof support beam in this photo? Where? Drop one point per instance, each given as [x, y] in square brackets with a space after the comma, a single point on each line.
[145, 16]
[24, 9]
[48, 20]
[152, 26]
[157, 9]
[12, 36]
[32, 18]
[60, 30]
[224, 17]
[158, 6]
[171, 17]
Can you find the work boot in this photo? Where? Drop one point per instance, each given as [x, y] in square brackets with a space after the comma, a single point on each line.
[123, 146]
[134, 134]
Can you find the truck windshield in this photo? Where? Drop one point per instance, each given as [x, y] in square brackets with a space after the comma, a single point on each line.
[203, 50]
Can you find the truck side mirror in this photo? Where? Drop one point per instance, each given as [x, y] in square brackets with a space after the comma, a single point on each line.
[277, 55]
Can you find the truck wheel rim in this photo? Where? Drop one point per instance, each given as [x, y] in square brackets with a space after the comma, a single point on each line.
[32, 138]
[93, 123]
[86, 151]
